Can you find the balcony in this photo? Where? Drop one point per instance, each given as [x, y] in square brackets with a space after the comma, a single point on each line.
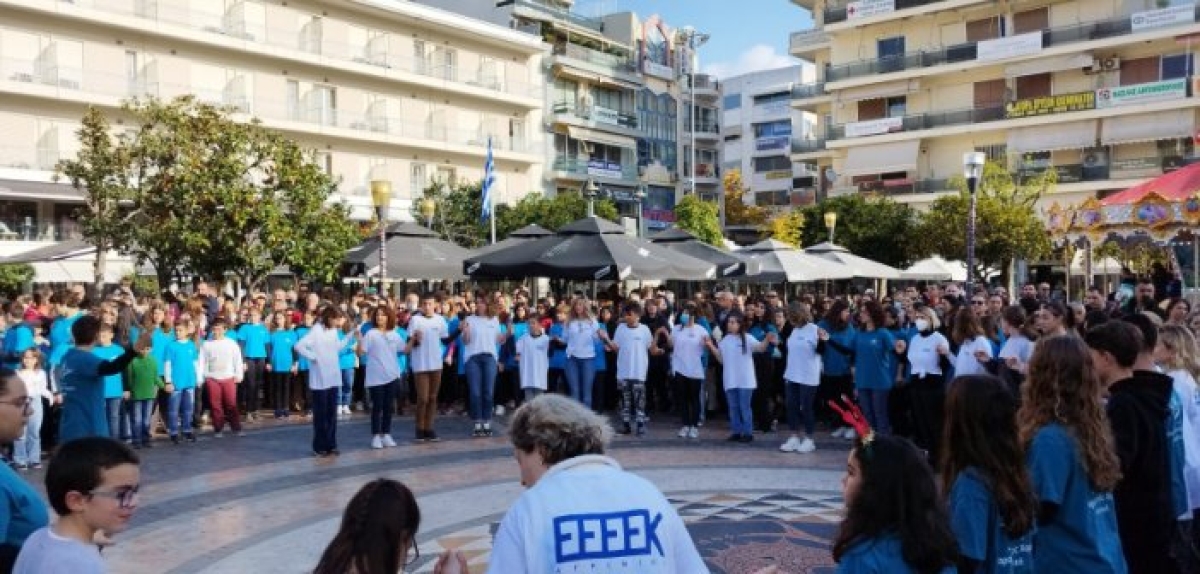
[702, 131]
[916, 122]
[966, 52]
[808, 91]
[705, 86]
[706, 173]
[803, 145]
[580, 168]
[597, 117]
[808, 42]
[903, 186]
[568, 55]
[544, 7]
[301, 48]
[834, 15]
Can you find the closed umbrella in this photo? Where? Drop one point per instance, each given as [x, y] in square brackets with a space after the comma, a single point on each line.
[588, 249]
[781, 263]
[727, 264]
[413, 252]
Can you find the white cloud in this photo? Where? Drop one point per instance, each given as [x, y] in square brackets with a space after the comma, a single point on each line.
[755, 59]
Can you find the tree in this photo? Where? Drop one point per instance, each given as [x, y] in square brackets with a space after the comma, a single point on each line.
[787, 227]
[876, 228]
[736, 210]
[1007, 225]
[549, 212]
[700, 218]
[14, 277]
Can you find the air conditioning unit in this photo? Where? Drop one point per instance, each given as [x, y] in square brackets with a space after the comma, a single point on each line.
[1110, 64]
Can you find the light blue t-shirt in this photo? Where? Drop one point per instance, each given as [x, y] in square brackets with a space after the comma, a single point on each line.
[975, 519]
[159, 341]
[254, 338]
[182, 356]
[883, 555]
[301, 361]
[23, 511]
[283, 356]
[112, 383]
[346, 355]
[17, 339]
[402, 357]
[83, 412]
[1083, 535]
[61, 338]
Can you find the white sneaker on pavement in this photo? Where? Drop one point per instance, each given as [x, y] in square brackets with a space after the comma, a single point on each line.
[376, 442]
[849, 434]
[839, 432]
[693, 432]
[790, 445]
[499, 410]
[806, 445]
[683, 432]
[388, 442]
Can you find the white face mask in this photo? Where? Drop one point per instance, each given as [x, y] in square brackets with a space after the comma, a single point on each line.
[922, 325]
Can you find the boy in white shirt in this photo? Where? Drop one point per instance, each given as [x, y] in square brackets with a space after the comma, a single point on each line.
[222, 369]
[533, 355]
[633, 344]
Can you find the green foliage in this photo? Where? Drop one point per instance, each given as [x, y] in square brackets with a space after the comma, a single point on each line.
[141, 284]
[1007, 225]
[736, 210]
[700, 218]
[876, 228]
[787, 227]
[549, 212]
[14, 277]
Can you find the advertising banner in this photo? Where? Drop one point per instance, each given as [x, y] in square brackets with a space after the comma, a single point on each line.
[601, 168]
[1009, 47]
[873, 127]
[867, 8]
[606, 116]
[1172, 16]
[1047, 105]
[1141, 93]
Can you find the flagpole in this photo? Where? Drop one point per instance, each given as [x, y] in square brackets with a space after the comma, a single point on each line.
[492, 215]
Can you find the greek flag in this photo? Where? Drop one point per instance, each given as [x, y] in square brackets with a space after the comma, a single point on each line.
[489, 179]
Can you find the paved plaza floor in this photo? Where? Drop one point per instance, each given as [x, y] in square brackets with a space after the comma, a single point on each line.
[262, 504]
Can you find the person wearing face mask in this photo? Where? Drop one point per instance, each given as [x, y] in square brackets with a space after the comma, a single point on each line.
[687, 361]
[928, 356]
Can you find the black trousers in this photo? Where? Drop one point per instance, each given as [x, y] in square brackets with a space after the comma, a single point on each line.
[832, 388]
[927, 396]
[760, 402]
[324, 405]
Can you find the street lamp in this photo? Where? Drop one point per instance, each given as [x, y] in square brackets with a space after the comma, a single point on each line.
[831, 223]
[694, 40]
[428, 208]
[590, 191]
[640, 197]
[381, 196]
[972, 170]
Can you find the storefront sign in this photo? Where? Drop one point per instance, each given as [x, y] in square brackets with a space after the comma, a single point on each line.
[1009, 47]
[1047, 105]
[1135, 167]
[606, 116]
[874, 127]
[779, 174]
[868, 8]
[657, 70]
[601, 168]
[659, 208]
[1173, 16]
[1141, 93]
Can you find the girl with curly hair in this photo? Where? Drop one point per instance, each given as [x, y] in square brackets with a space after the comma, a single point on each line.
[1072, 460]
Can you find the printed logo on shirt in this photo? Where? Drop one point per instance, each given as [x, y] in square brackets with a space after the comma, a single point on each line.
[630, 533]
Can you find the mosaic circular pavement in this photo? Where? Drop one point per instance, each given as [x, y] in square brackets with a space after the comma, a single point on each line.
[260, 504]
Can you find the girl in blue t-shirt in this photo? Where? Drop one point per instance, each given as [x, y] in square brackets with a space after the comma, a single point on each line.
[301, 394]
[281, 364]
[987, 486]
[895, 521]
[872, 351]
[253, 336]
[836, 379]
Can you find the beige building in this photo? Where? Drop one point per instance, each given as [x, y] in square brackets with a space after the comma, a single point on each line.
[1101, 91]
[379, 89]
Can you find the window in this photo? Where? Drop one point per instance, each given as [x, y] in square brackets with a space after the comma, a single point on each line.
[323, 105]
[132, 72]
[1031, 20]
[896, 106]
[985, 29]
[995, 153]
[658, 118]
[324, 160]
[1140, 70]
[657, 48]
[447, 174]
[1176, 66]
[516, 133]
[990, 94]
[615, 100]
[417, 179]
[872, 109]
[731, 101]
[891, 47]
[1033, 86]
[565, 91]
[777, 97]
[773, 163]
[293, 100]
[420, 57]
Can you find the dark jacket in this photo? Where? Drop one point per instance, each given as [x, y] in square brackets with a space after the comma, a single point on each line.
[1138, 408]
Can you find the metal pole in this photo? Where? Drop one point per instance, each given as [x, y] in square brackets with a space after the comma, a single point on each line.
[692, 81]
[968, 285]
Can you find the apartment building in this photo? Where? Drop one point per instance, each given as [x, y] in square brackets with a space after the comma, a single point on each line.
[758, 125]
[378, 89]
[1101, 91]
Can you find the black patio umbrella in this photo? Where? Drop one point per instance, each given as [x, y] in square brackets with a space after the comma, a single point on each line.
[727, 264]
[531, 231]
[590, 248]
[413, 252]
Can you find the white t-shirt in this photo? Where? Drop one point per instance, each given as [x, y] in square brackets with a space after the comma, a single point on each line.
[688, 350]
[738, 365]
[580, 336]
[923, 356]
[1017, 346]
[633, 356]
[485, 335]
[586, 514]
[1189, 399]
[379, 351]
[36, 383]
[46, 552]
[428, 355]
[534, 356]
[803, 363]
[965, 362]
[221, 359]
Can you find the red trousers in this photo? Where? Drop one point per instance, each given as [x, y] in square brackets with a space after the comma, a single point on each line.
[222, 395]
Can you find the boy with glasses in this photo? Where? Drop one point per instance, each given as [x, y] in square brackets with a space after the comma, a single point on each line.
[92, 483]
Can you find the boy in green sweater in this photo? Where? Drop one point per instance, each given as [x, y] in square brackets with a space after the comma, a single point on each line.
[143, 382]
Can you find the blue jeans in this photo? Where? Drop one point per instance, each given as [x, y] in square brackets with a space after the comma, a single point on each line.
[118, 418]
[347, 387]
[799, 400]
[180, 405]
[140, 413]
[741, 419]
[28, 449]
[874, 404]
[481, 385]
[581, 373]
[382, 408]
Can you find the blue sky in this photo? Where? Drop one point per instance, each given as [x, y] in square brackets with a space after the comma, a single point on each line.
[744, 39]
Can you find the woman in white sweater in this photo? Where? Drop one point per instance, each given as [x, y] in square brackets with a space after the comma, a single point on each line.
[321, 347]
[379, 348]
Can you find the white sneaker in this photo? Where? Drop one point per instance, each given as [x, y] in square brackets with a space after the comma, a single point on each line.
[839, 432]
[683, 432]
[806, 446]
[388, 442]
[693, 432]
[791, 445]
[849, 434]
[376, 442]
[499, 410]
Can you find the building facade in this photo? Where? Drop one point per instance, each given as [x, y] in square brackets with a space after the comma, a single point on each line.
[758, 126]
[379, 90]
[1101, 91]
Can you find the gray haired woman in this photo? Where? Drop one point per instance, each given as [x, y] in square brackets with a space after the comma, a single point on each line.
[581, 510]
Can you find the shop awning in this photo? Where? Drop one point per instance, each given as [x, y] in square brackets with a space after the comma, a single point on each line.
[1067, 135]
[1047, 65]
[1148, 127]
[599, 137]
[882, 158]
[876, 91]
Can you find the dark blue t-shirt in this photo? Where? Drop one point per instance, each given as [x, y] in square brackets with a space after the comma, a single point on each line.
[22, 510]
[82, 387]
[883, 555]
[975, 519]
[874, 365]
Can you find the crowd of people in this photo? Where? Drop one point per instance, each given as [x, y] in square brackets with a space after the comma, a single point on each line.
[986, 433]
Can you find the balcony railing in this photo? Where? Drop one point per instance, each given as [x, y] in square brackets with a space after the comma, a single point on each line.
[805, 91]
[834, 15]
[904, 186]
[572, 17]
[583, 167]
[621, 119]
[968, 51]
[932, 120]
[705, 82]
[217, 24]
[702, 127]
[799, 41]
[622, 64]
[801, 145]
[33, 229]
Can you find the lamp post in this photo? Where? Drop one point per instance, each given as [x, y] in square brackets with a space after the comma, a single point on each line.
[381, 196]
[590, 191]
[972, 170]
[640, 197]
[428, 208]
[831, 223]
[694, 40]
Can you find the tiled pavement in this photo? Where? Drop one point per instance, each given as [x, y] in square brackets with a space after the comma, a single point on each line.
[262, 504]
